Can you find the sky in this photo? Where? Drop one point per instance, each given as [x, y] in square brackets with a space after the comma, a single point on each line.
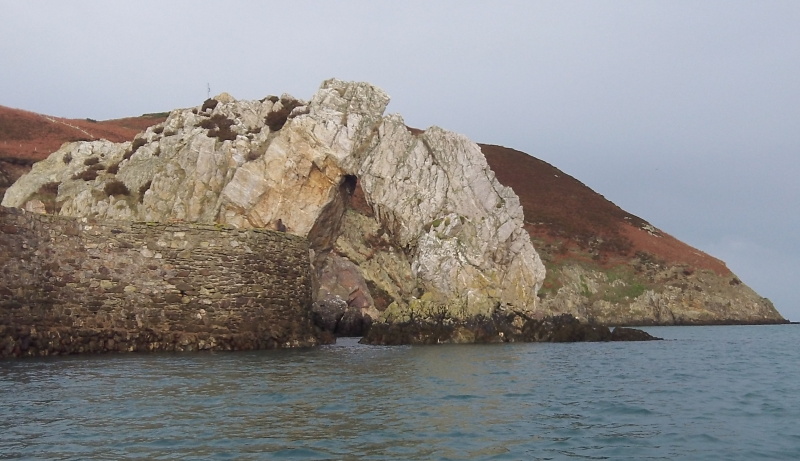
[685, 113]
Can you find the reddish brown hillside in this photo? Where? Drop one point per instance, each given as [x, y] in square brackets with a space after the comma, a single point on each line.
[27, 137]
[562, 211]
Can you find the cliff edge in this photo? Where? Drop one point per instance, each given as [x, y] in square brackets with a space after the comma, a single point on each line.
[404, 225]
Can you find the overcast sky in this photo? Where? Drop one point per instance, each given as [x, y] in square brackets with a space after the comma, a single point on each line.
[685, 113]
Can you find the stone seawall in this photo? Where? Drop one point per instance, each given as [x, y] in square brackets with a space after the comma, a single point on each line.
[78, 286]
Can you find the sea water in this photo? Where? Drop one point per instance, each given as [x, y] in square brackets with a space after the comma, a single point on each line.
[728, 393]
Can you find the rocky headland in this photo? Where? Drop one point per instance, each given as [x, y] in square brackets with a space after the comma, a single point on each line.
[414, 236]
[608, 266]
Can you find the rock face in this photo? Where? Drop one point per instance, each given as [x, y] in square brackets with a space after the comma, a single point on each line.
[607, 266]
[664, 294]
[401, 224]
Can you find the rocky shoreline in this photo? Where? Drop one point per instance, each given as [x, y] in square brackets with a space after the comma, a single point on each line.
[18, 342]
[399, 235]
[500, 327]
[25, 341]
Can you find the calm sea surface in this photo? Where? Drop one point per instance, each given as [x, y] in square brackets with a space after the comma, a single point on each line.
[723, 393]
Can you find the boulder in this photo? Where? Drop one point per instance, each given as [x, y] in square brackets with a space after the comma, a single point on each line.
[333, 315]
[328, 312]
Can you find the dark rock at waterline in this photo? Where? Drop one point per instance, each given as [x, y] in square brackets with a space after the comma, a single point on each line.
[353, 323]
[25, 341]
[631, 334]
[334, 315]
[327, 312]
[563, 329]
[502, 326]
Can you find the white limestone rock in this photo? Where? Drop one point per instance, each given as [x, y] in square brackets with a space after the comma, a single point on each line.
[439, 227]
[461, 229]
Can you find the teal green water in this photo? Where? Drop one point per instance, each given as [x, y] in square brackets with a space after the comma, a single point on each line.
[728, 393]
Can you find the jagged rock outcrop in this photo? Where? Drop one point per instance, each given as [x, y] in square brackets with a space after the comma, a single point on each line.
[400, 223]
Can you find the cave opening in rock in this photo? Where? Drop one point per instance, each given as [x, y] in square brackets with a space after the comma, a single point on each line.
[348, 184]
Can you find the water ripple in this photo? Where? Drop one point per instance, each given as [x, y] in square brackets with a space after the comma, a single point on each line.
[710, 393]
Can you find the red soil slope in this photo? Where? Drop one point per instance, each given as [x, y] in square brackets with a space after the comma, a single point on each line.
[562, 211]
[27, 136]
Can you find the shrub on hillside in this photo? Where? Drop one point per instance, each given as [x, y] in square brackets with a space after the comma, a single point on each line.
[616, 244]
[209, 103]
[116, 187]
[50, 188]
[87, 175]
[47, 194]
[135, 145]
[97, 167]
[277, 118]
[219, 127]
[156, 115]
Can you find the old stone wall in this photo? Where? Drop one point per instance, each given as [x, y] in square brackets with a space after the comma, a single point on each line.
[74, 286]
